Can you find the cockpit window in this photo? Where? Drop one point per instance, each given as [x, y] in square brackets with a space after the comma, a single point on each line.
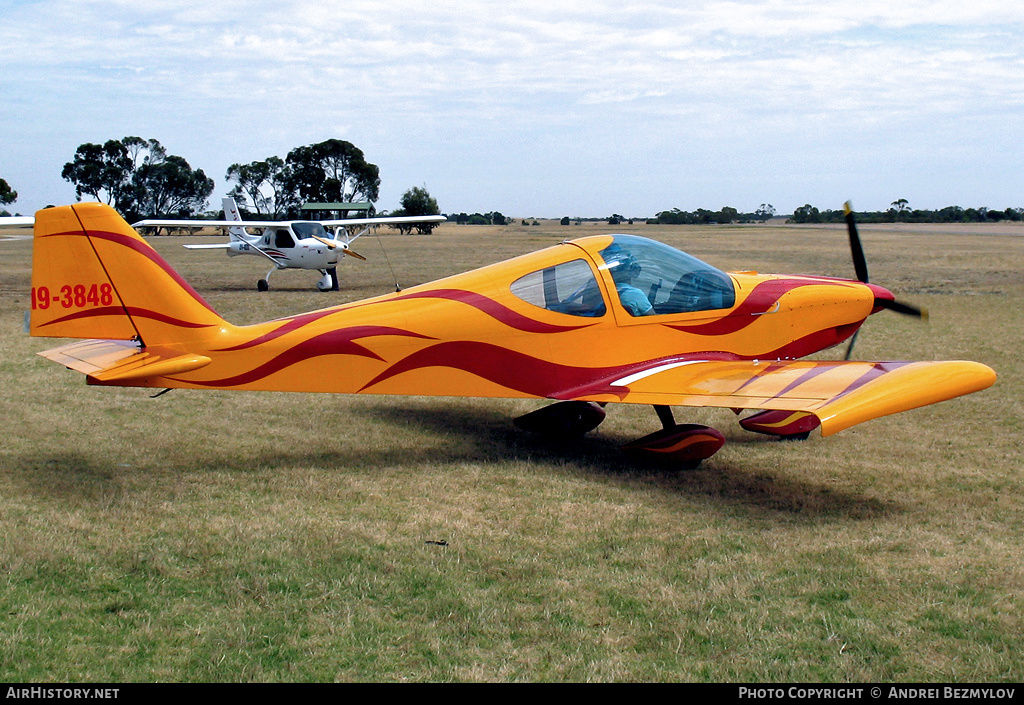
[282, 239]
[307, 229]
[567, 288]
[652, 278]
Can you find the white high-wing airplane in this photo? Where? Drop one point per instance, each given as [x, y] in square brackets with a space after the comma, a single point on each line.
[290, 244]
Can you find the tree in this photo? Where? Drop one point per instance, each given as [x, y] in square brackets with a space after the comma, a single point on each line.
[103, 172]
[171, 187]
[7, 194]
[727, 215]
[334, 171]
[138, 178]
[765, 212]
[806, 214]
[266, 184]
[898, 209]
[417, 201]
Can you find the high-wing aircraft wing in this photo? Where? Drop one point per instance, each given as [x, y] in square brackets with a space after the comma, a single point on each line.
[195, 223]
[840, 394]
[385, 220]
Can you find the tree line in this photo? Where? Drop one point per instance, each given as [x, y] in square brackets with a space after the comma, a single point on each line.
[900, 212]
[140, 179]
[702, 216]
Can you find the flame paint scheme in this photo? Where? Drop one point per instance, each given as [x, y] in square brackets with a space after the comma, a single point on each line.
[553, 324]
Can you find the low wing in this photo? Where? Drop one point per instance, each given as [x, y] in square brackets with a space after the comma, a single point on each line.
[840, 394]
[17, 221]
[215, 246]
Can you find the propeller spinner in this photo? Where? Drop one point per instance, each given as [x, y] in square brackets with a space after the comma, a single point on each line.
[331, 244]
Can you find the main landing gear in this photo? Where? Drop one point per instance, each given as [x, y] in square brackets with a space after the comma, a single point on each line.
[681, 444]
[685, 444]
[264, 283]
[327, 282]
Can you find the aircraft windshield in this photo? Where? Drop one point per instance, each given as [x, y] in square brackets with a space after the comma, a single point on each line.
[652, 278]
[306, 229]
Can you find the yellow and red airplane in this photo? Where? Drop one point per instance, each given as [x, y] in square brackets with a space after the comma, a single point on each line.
[595, 321]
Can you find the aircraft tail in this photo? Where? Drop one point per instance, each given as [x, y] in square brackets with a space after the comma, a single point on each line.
[231, 212]
[93, 276]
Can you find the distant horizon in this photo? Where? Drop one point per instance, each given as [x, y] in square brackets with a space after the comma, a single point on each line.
[14, 211]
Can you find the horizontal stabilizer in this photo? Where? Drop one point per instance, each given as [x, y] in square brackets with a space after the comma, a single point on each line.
[113, 361]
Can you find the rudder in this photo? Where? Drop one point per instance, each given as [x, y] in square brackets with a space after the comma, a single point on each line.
[93, 276]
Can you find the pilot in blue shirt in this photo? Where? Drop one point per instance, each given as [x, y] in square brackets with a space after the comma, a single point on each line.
[624, 268]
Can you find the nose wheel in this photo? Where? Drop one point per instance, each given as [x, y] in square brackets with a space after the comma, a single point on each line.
[329, 280]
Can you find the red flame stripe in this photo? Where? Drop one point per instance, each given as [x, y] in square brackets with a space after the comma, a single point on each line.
[492, 308]
[760, 300]
[132, 311]
[877, 370]
[514, 370]
[337, 342]
[152, 255]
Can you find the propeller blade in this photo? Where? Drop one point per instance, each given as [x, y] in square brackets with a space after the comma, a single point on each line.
[860, 263]
[330, 244]
[849, 346]
[334, 244]
[904, 308]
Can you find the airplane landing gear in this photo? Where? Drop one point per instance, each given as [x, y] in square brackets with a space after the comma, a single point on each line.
[329, 280]
[264, 283]
[566, 419]
[680, 444]
[685, 444]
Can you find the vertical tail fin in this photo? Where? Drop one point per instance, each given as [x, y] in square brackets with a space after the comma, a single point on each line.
[231, 212]
[95, 277]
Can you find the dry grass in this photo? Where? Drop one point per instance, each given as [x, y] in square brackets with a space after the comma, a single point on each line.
[269, 537]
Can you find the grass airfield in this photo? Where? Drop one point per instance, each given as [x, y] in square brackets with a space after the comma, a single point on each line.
[218, 536]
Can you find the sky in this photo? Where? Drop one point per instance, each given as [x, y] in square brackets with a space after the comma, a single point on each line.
[538, 109]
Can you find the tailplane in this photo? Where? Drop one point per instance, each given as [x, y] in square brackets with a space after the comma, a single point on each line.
[95, 277]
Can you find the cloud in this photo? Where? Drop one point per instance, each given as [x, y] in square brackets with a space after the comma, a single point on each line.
[458, 92]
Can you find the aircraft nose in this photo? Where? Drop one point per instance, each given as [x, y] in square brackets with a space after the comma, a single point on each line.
[885, 299]
[881, 293]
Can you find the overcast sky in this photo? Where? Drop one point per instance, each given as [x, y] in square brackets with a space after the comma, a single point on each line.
[539, 109]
